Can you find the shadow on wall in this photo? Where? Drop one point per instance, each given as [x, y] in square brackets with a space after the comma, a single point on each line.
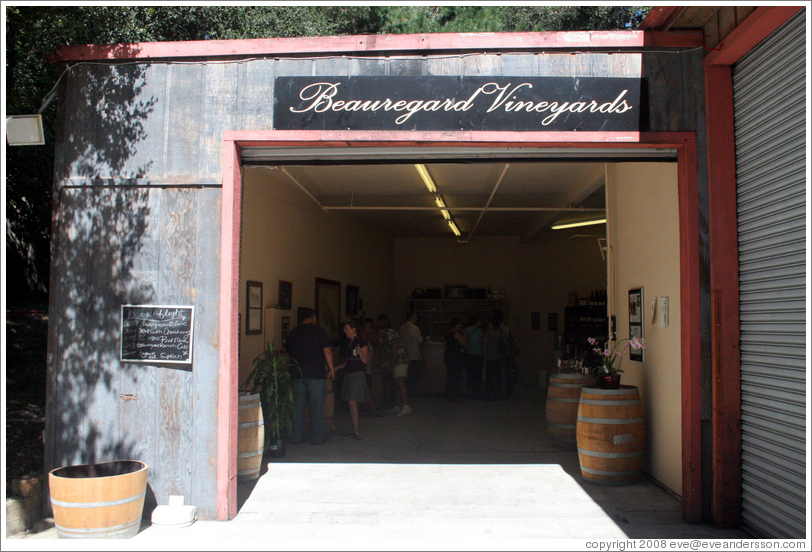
[101, 248]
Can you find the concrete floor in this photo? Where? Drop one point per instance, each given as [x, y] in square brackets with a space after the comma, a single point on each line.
[465, 474]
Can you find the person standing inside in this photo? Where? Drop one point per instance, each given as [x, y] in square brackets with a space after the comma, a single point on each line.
[511, 366]
[454, 357]
[354, 390]
[474, 356]
[399, 360]
[367, 331]
[412, 338]
[309, 345]
[495, 348]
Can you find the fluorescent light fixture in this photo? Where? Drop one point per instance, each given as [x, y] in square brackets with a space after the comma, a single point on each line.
[424, 174]
[24, 130]
[440, 203]
[575, 224]
[438, 200]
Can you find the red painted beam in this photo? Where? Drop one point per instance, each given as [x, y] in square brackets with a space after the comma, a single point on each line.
[758, 26]
[726, 484]
[726, 493]
[657, 18]
[406, 43]
[690, 335]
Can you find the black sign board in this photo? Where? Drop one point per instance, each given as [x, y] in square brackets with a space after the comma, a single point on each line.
[561, 104]
[156, 333]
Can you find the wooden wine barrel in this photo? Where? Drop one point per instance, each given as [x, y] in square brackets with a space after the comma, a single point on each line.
[611, 435]
[563, 395]
[98, 501]
[251, 433]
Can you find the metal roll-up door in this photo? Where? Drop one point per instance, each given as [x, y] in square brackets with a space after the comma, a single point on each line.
[769, 91]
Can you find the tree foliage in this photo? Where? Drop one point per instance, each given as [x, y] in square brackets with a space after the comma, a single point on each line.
[34, 32]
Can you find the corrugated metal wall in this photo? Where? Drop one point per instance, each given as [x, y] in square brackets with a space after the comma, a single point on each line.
[769, 98]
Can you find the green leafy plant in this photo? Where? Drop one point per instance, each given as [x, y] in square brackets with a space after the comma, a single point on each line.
[271, 379]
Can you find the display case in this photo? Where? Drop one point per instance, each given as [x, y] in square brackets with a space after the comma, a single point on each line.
[584, 321]
[434, 315]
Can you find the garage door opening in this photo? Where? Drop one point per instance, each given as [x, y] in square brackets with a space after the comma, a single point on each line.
[652, 180]
[383, 229]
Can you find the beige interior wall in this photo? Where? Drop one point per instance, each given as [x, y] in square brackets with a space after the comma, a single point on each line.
[535, 277]
[550, 271]
[285, 236]
[643, 237]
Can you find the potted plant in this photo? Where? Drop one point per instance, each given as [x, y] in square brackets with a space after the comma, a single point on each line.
[271, 380]
[607, 372]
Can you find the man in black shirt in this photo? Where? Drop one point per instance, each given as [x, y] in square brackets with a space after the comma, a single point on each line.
[310, 346]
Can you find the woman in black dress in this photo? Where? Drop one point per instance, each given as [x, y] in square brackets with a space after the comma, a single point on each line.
[354, 390]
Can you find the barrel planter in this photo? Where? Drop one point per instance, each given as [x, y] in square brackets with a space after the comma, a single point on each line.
[611, 435]
[251, 434]
[563, 395]
[98, 501]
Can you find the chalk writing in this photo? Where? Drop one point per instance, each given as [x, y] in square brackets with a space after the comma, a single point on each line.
[156, 333]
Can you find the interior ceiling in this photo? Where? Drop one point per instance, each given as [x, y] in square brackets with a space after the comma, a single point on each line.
[379, 195]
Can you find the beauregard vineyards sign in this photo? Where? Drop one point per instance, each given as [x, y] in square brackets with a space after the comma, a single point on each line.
[589, 104]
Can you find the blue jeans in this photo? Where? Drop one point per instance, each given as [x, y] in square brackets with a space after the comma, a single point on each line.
[316, 391]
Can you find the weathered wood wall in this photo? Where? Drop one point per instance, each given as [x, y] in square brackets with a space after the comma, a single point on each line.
[137, 220]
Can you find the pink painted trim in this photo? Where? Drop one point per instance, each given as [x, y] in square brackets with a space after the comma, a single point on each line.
[227, 398]
[758, 26]
[410, 137]
[401, 44]
[683, 142]
[287, 138]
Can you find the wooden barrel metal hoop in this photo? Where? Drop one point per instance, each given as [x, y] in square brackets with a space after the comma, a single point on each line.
[611, 435]
[98, 501]
[563, 396]
[251, 445]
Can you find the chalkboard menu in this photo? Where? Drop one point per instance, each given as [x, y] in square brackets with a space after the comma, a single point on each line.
[156, 333]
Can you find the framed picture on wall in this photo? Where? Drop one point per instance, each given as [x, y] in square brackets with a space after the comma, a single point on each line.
[352, 300]
[285, 295]
[328, 307]
[253, 308]
[552, 321]
[636, 321]
[636, 306]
